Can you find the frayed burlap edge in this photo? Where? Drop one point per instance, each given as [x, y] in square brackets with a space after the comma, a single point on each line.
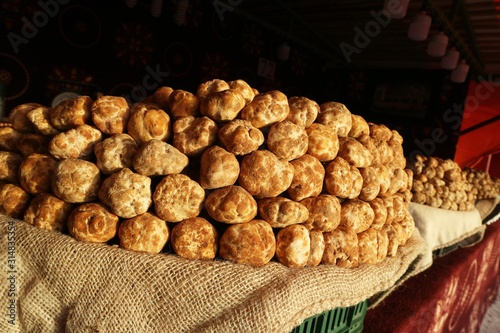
[63, 285]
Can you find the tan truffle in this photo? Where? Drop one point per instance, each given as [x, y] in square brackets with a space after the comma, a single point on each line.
[40, 118]
[392, 240]
[317, 248]
[252, 243]
[18, 117]
[380, 213]
[192, 136]
[209, 87]
[13, 200]
[293, 246]
[33, 143]
[183, 104]
[231, 204]
[266, 109]
[218, 168]
[371, 184]
[92, 222]
[359, 126]
[78, 142]
[177, 197]
[368, 246]
[71, 113]
[115, 153]
[161, 97]
[324, 212]
[158, 158]
[356, 215]
[126, 193]
[76, 181]
[240, 137]
[9, 138]
[323, 142]
[110, 114]
[380, 132]
[341, 248]
[243, 88]
[265, 175]
[35, 173]
[336, 115]
[222, 106]
[148, 121]
[303, 111]
[287, 140]
[48, 212]
[281, 212]
[354, 153]
[308, 177]
[143, 233]
[195, 238]
[339, 178]
[9, 166]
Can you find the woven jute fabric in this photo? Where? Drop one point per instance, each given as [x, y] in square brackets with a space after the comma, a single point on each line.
[63, 285]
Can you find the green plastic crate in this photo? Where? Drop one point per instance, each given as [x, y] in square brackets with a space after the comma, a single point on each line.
[339, 320]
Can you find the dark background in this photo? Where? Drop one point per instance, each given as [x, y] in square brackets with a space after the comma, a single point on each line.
[106, 47]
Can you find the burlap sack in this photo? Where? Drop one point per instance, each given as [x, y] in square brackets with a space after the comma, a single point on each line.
[62, 285]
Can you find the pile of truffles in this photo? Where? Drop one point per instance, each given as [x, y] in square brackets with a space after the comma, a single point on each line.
[441, 183]
[225, 172]
[483, 185]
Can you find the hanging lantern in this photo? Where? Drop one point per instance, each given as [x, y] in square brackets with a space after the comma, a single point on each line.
[450, 59]
[459, 74]
[419, 27]
[396, 8]
[438, 44]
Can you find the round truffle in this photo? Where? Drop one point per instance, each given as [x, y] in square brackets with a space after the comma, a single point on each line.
[324, 212]
[92, 222]
[240, 137]
[293, 246]
[76, 181]
[143, 233]
[308, 177]
[192, 136]
[341, 248]
[252, 243]
[48, 212]
[266, 109]
[323, 142]
[281, 212]
[183, 104]
[71, 113]
[158, 158]
[148, 121]
[222, 106]
[13, 200]
[115, 153]
[35, 173]
[195, 238]
[218, 168]
[231, 204]
[110, 114]
[78, 142]
[336, 115]
[356, 215]
[287, 140]
[303, 111]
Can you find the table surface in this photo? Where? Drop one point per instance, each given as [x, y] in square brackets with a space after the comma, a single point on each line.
[450, 296]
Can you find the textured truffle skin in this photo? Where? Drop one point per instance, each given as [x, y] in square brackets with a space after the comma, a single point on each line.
[209, 87]
[115, 153]
[9, 138]
[243, 88]
[35, 173]
[48, 212]
[158, 158]
[13, 200]
[287, 140]
[231, 204]
[18, 117]
[317, 248]
[9, 166]
[92, 222]
[293, 246]
[356, 215]
[177, 197]
[323, 142]
[337, 116]
[222, 106]
[183, 104]
[252, 243]
[148, 121]
[265, 175]
[324, 212]
[76, 181]
[303, 111]
[192, 136]
[341, 248]
[77, 142]
[40, 119]
[266, 109]
[195, 238]
[240, 137]
[110, 114]
[218, 168]
[71, 113]
[144, 233]
[308, 177]
[281, 212]
[126, 193]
